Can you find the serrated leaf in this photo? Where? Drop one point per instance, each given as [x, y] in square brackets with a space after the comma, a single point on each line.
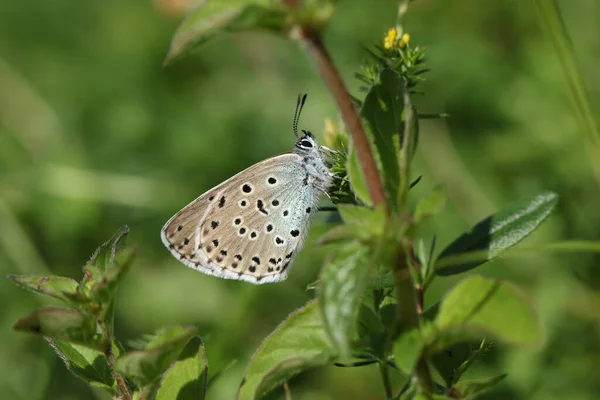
[64, 324]
[187, 378]
[497, 233]
[58, 287]
[104, 289]
[484, 306]
[431, 204]
[101, 261]
[298, 343]
[215, 16]
[357, 179]
[88, 364]
[407, 350]
[144, 367]
[469, 388]
[341, 286]
[104, 255]
[382, 109]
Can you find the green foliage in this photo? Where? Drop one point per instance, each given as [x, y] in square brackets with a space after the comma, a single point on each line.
[382, 109]
[341, 287]
[85, 363]
[407, 350]
[215, 16]
[187, 378]
[357, 179]
[59, 287]
[300, 342]
[498, 232]
[145, 366]
[479, 305]
[83, 338]
[372, 287]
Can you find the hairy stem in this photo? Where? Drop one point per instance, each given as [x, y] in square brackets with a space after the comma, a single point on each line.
[410, 299]
[312, 40]
[405, 152]
[408, 308]
[123, 389]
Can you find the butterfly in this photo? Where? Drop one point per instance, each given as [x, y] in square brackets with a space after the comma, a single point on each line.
[252, 226]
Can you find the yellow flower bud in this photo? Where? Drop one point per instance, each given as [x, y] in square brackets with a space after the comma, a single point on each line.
[390, 39]
[404, 40]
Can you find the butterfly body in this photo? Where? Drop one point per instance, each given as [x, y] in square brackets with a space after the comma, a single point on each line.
[251, 226]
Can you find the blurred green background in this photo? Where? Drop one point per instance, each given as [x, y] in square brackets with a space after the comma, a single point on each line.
[95, 134]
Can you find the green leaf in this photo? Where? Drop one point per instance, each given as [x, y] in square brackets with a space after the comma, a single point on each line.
[187, 378]
[407, 350]
[215, 16]
[104, 256]
[431, 204]
[54, 286]
[64, 324]
[469, 388]
[449, 360]
[353, 214]
[143, 367]
[344, 233]
[104, 289]
[102, 261]
[298, 343]
[382, 109]
[361, 223]
[87, 364]
[483, 306]
[342, 283]
[498, 232]
[372, 220]
[358, 182]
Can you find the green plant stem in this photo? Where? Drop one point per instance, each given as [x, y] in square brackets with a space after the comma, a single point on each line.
[550, 18]
[405, 291]
[410, 301]
[404, 155]
[311, 38]
[406, 298]
[123, 389]
[385, 378]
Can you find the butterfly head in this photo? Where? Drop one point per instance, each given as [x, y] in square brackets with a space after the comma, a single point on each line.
[306, 143]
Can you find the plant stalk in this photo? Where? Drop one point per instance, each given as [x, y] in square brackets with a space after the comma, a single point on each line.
[550, 18]
[312, 40]
[385, 377]
[410, 300]
[121, 384]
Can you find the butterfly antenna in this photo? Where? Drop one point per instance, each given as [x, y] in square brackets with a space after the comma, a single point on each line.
[299, 105]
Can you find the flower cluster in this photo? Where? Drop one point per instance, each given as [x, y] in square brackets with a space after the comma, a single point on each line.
[391, 39]
[396, 54]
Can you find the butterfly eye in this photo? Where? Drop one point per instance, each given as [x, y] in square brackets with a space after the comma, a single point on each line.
[306, 143]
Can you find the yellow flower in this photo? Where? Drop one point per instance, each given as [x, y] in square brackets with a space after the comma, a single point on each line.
[404, 40]
[390, 39]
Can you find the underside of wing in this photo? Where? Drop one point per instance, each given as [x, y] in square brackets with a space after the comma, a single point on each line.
[249, 227]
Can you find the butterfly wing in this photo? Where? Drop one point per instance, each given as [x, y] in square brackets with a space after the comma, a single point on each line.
[250, 226]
